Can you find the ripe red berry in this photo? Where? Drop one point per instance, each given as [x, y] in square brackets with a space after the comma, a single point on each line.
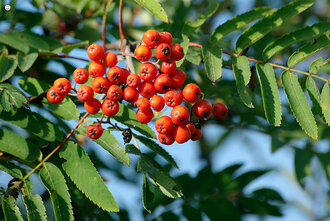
[202, 109]
[92, 106]
[110, 107]
[144, 116]
[181, 134]
[95, 52]
[168, 67]
[94, 131]
[166, 139]
[164, 125]
[54, 97]
[96, 69]
[143, 104]
[115, 74]
[180, 115]
[110, 59]
[163, 52]
[163, 83]
[85, 93]
[191, 93]
[151, 38]
[126, 74]
[178, 78]
[143, 53]
[157, 103]
[177, 52]
[196, 135]
[166, 37]
[115, 93]
[80, 75]
[147, 72]
[62, 86]
[100, 85]
[130, 95]
[147, 89]
[173, 98]
[219, 110]
[133, 80]
[191, 127]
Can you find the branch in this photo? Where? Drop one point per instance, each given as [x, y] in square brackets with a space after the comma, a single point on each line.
[121, 29]
[104, 20]
[63, 56]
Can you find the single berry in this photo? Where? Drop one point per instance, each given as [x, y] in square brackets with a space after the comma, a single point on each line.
[94, 131]
[173, 98]
[126, 74]
[95, 52]
[80, 75]
[157, 103]
[143, 104]
[62, 86]
[54, 97]
[147, 72]
[166, 37]
[92, 106]
[163, 83]
[164, 125]
[130, 95]
[177, 52]
[196, 135]
[166, 139]
[202, 109]
[151, 38]
[96, 69]
[143, 53]
[191, 93]
[219, 110]
[180, 115]
[181, 134]
[168, 67]
[144, 116]
[110, 107]
[147, 89]
[163, 52]
[178, 78]
[110, 59]
[115, 74]
[85, 93]
[115, 93]
[191, 127]
[133, 80]
[101, 85]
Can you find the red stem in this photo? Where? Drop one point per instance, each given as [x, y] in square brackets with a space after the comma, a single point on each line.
[121, 29]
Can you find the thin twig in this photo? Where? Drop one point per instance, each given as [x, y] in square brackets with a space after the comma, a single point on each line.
[63, 56]
[121, 29]
[104, 20]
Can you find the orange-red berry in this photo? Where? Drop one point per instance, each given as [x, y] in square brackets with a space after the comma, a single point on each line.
[94, 131]
[126, 74]
[110, 59]
[168, 67]
[143, 104]
[196, 135]
[96, 69]
[151, 38]
[144, 116]
[115, 74]
[115, 93]
[191, 93]
[164, 125]
[181, 134]
[147, 89]
[133, 80]
[54, 97]
[143, 53]
[85, 93]
[100, 85]
[191, 127]
[157, 103]
[163, 83]
[166, 37]
[219, 110]
[95, 52]
[163, 52]
[180, 115]
[130, 94]
[202, 109]
[110, 107]
[177, 52]
[80, 75]
[166, 139]
[178, 78]
[92, 106]
[147, 72]
[173, 98]
[62, 86]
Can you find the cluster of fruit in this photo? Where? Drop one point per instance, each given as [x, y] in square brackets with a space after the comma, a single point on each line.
[151, 81]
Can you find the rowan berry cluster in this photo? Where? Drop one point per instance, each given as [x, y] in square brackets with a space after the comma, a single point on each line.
[151, 82]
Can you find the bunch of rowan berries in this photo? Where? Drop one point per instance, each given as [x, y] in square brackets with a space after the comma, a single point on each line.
[151, 82]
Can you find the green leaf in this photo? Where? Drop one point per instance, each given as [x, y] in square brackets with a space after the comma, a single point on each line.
[33, 86]
[314, 95]
[54, 181]
[33, 203]
[11, 97]
[110, 144]
[270, 94]
[14, 41]
[265, 194]
[238, 22]
[147, 194]
[11, 169]
[325, 102]
[26, 61]
[7, 67]
[246, 178]
[315, 66]
[298, 104]
[212, 57]
[68, 48]
[34, 123]
[185, 46]
[33, 40]
[194, 56]
[158, 149]
[256, 206]
[82, 172]
[18, 146]
[325, 162]
[302, 160]
[132, 149]
[267, 24]
[128, 117]
[154, 8]
[191, 213]
[242, 73]
[294, 37]
[67, 109]
[10, 209]
[309, 49]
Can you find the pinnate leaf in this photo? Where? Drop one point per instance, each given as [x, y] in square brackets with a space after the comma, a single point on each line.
[154, 8]
[11, 169]
[325, 102]
[7, 67]
[26, 61]
[33, 203]
[11, 97]
[147, 193]
[66, 110]
[302, 160]
[10, 209]
[314, 95]
[212, 57]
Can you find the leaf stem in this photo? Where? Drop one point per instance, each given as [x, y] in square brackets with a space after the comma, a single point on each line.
[136, 143]
[104, 20]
